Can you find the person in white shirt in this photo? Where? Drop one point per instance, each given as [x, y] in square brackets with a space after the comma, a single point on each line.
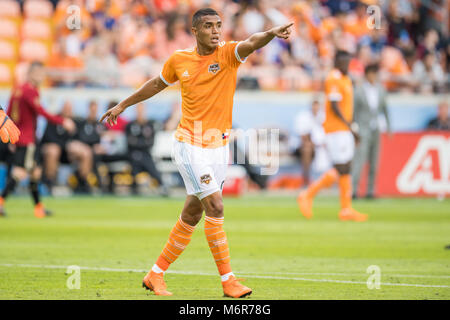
[308, 126]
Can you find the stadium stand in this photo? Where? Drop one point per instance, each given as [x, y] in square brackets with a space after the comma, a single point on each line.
[139, 35]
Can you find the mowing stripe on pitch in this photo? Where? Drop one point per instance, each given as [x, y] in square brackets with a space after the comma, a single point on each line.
[243, 274]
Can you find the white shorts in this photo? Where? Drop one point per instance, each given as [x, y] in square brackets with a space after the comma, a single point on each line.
[340, 146]
[203, 169]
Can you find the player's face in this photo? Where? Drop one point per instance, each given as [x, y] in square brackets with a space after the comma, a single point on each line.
[37, 74]
[93, 107]
[372, 77]
[67, 110]
[208, 31]
[315, 107]
[342, 64]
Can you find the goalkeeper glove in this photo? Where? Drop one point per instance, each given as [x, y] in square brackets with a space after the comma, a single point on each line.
[8, 130]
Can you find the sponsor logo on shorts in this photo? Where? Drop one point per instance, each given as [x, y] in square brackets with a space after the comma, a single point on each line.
[206, 178]
[213, 68]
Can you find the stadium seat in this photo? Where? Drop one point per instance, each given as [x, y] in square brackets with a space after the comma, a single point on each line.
[31, 50]
[6, 76]
[36, 29]
[7, 51]
[38, 9]
[20, 72]
[8, 29]
[9, 8]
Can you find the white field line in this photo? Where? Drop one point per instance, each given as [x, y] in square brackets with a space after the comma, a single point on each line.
[353, 274]
[247, 275]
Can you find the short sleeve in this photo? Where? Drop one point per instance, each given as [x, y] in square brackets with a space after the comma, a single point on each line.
[168, 74]
[231, 53]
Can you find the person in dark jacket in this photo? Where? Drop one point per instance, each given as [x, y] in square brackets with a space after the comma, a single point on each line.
[140, 138]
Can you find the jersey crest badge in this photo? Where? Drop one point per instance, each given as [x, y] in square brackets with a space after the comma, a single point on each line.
[213, 68]
[205, 179]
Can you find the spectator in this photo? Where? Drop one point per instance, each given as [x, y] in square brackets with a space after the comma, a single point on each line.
[88, 134]
[112, 147]
[429, 74]
[140, 138]
[442, 121]
[58, 147]
[122, 43]
[64, 69]
[370, 102]
[102, 67]
[395, 72]
[308, 126]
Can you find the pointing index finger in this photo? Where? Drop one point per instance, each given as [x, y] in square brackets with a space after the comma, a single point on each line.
[103, 117]
[288, 25]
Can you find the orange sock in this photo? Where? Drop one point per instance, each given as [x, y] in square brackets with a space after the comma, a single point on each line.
[2, 201]
[325, 181]
[179, 238]
[217, 241]
[345, 188]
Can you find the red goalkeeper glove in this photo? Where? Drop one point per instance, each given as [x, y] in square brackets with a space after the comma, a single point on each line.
[8, 130]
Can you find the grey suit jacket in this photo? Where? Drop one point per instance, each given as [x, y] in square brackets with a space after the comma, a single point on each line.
[363, 115]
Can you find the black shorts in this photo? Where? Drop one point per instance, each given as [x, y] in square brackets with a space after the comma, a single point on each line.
[26, 156]
[5, 154]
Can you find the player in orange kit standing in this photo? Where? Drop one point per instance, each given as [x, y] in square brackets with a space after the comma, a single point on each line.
[207, 75]
[340, 141]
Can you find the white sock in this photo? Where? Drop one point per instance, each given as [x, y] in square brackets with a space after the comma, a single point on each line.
[157, 269]
[226, 276]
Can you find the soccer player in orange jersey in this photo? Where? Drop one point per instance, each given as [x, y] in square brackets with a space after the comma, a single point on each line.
[340, 141]
[207, 76]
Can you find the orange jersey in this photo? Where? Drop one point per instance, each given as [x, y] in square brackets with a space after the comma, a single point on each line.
[207, 89]
[338, 88]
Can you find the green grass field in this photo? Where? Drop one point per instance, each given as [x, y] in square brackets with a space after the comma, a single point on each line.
[280, 254]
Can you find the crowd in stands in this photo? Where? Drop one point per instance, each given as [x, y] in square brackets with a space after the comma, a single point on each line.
[121, 43]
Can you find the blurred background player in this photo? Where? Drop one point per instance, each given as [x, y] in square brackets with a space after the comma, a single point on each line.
[24, 108]
[371, 116]
[309, 127]
[140, 138]
[340, 141]
[207, 74]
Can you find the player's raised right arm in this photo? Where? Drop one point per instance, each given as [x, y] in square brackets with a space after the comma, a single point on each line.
[148, 90]
[260, 39]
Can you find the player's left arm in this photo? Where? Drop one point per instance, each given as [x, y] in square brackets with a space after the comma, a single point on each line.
[146, 91]
[260, 39]
[8, 130]
[353, 127]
